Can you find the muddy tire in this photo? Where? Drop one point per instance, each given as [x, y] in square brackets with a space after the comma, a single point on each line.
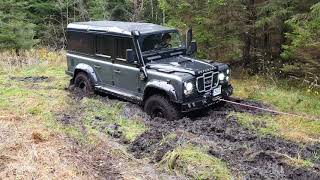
[83, 83]
[160, 106]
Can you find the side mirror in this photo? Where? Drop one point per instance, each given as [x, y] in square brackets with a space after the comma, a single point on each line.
[188, 38]
[193, 48]
[130, 56]
[190, 44]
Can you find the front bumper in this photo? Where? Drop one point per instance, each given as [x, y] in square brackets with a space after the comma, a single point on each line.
[206, 101]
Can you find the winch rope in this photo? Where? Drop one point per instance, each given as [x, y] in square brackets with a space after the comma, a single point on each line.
[269, 110]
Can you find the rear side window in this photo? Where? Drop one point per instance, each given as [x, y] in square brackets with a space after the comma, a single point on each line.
[80, 42]
[105, 45]
[122, 45]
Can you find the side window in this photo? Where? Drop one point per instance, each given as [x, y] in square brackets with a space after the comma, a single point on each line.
[122, 45]
[105, 45]
[80, 42]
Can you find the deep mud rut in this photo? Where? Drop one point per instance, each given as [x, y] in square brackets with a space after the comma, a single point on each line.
[247, 154]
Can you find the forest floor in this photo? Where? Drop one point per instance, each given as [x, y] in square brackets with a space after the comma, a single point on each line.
[48, 132]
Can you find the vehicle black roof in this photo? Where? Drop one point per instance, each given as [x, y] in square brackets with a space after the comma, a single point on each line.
[118, 27]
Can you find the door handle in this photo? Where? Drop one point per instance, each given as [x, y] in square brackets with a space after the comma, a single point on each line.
[97, 66]
[117, 71]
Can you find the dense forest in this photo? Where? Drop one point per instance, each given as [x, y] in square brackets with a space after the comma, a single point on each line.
[273, 37]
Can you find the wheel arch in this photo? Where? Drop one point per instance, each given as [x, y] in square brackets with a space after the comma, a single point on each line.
[86, 69]
[162, 88]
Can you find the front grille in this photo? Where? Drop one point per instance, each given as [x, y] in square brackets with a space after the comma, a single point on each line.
[207, 82]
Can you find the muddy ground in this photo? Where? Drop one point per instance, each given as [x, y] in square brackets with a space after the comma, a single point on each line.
[247, 154]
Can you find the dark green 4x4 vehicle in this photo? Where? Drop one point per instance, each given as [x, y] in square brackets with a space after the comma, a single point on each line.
[144, 63]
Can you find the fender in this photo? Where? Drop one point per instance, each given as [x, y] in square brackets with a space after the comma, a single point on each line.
[89, 70]
[164, 86]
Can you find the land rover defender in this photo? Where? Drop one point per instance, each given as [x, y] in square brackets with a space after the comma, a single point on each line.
[146, 64]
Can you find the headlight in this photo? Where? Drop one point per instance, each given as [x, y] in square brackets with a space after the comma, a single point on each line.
[228, 71]
[227, 78]
[221, 76]
[188, 88]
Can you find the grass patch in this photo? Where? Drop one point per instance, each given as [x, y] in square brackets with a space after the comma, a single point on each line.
[37, 100]
[102, 116]
[298, 162]
[281, 95]
[193, 162]
[291, 128]
[43, 99]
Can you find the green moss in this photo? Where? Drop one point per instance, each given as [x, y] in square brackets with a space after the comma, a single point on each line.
[195, 163]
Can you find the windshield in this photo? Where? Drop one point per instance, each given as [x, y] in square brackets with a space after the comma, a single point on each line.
[161, 41]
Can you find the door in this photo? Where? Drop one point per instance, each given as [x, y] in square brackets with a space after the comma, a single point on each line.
[104, 57]
[125, 75]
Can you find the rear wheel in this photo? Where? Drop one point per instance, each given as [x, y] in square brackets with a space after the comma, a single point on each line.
[160, 106]
[83, 83]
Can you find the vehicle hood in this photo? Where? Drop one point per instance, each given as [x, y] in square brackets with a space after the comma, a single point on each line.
[181, 64]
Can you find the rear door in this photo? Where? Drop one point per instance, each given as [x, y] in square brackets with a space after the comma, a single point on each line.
[104, 56]
[125, 75]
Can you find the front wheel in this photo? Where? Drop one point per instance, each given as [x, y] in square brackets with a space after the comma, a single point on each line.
[160, 106]
[83, 83]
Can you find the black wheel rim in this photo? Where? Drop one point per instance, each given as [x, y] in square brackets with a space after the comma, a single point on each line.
[157, 112]
[82, 85]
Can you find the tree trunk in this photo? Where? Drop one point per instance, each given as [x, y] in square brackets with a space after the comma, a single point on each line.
[247, 48]
[152, 9]
[17, 50]
[250, 35]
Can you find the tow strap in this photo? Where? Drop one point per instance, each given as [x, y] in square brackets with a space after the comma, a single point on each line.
[270, 110]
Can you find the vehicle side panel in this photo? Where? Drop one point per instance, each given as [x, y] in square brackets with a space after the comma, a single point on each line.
[126, 77]
[102, 68]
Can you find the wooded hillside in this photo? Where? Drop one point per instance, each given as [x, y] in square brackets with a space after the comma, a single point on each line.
[278, 37]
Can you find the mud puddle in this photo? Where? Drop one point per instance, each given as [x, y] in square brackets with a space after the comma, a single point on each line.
[32, 79]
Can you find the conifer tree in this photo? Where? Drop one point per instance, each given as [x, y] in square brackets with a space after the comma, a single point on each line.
[15, 30]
